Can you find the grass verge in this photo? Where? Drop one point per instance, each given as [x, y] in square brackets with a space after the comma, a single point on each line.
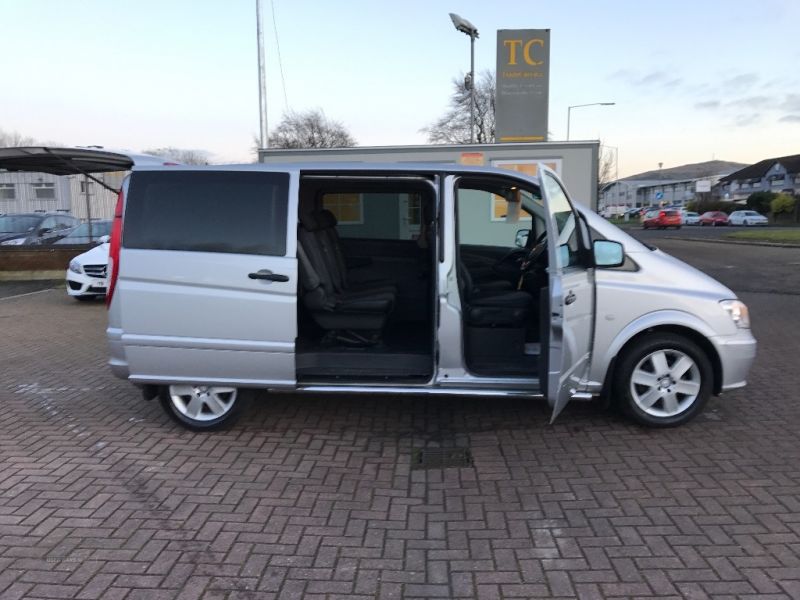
[789, 236]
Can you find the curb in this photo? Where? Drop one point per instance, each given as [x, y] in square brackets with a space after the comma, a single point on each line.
[737, 242]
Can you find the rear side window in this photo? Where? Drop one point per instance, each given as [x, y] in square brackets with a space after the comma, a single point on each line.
[211, 211]
[672, 213]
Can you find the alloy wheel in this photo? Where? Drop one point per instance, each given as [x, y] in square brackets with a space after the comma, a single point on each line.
[665, 383]
[202, 403]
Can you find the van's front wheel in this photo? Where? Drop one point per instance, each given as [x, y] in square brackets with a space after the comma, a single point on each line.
[201, 407]
[663, 380]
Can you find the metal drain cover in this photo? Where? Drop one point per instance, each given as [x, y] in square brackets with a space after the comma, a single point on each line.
[440, 458]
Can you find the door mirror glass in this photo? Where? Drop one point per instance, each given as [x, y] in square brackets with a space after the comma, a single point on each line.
[521, 239]
[608, 253]
[45, 231]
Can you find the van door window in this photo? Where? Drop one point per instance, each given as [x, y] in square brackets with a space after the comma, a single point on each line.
[230, 212]
[569, 246]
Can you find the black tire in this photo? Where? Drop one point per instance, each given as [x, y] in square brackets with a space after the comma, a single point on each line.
[746, 223]
[222, 422]
[677, 227]
[645, 346]
[713, 223]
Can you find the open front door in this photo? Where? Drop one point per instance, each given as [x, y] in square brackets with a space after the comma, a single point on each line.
[571, 295]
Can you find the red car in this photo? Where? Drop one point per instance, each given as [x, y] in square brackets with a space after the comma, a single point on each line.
[661, 218]
[714, 218]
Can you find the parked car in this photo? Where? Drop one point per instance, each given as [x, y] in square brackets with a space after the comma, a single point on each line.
[747, 218]
[274, 293]
[101, 230]
[691, 218]
[714, 218]
[35, 228]
[661, 218]
[86, 274]
[633, 213]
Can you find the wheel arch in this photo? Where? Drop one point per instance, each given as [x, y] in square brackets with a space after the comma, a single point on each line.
[623, 342]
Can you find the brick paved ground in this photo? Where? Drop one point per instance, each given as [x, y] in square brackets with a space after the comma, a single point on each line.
[101, 496]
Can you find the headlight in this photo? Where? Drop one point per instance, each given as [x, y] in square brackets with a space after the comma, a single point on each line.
[75, 266]
[738, 312]
[16, 242]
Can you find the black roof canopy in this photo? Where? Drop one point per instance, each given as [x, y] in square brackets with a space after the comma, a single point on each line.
[70, 161]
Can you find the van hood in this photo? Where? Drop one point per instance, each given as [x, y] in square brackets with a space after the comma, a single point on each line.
[96, 256]
[679, 274]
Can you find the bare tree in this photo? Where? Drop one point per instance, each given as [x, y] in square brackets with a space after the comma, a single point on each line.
[10, 139]
[453, 127]
[606, 172]
[181, 155]
[310, 129]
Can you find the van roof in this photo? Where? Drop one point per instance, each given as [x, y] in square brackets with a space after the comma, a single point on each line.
[349, 167]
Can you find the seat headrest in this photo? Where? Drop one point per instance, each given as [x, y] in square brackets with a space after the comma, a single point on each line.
[325, 219]
[308, 221]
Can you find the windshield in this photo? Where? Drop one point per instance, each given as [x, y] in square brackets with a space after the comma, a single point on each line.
[17, 224]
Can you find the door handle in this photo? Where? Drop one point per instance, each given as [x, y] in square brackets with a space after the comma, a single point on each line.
[571, 297]
[268, 275]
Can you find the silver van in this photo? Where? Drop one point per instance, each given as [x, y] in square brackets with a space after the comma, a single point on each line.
[404, 279]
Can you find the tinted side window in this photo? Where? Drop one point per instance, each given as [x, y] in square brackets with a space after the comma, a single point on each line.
[230, 212]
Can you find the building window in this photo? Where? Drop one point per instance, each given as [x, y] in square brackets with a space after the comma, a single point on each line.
[44, 191]
[347, 208]
[86, 185]
[776, 180]
[8, 191]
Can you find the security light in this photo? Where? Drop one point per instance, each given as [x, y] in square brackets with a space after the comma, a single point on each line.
[464, 26]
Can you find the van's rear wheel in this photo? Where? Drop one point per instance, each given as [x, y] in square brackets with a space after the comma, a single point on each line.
[201, 407]
[663, 380]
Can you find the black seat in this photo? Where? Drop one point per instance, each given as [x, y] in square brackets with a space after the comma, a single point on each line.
[325, 223]
[341, 313]
[494, 307]
[351, 316]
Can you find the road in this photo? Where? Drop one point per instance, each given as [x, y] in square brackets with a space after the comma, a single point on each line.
[101, 496]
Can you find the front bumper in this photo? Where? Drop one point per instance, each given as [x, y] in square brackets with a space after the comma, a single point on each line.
[736, 355]
[80, 284]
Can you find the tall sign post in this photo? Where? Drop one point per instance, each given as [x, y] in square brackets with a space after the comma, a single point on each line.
[523, 85]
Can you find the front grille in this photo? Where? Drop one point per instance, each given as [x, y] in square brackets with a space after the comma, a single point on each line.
[95, 270]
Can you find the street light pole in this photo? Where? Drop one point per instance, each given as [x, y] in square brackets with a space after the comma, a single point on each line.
[464, 26]
[472, 88]
[262, 81]
[569, 110]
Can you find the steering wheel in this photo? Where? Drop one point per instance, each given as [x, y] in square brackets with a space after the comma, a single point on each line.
[536, 251]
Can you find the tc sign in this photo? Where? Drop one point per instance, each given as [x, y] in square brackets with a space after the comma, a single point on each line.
[523, 85]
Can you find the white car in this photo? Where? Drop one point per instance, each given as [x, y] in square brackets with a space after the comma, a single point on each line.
[747, 218]
[86, 275]
[691, 218]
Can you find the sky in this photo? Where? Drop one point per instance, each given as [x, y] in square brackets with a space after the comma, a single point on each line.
[691, 81]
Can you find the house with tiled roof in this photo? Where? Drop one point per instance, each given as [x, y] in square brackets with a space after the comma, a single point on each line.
[770, 175]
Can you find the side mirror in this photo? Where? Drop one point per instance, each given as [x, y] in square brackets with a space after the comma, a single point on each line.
[103, 239]
[521, 239]
[608, 254]
[45, 231]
